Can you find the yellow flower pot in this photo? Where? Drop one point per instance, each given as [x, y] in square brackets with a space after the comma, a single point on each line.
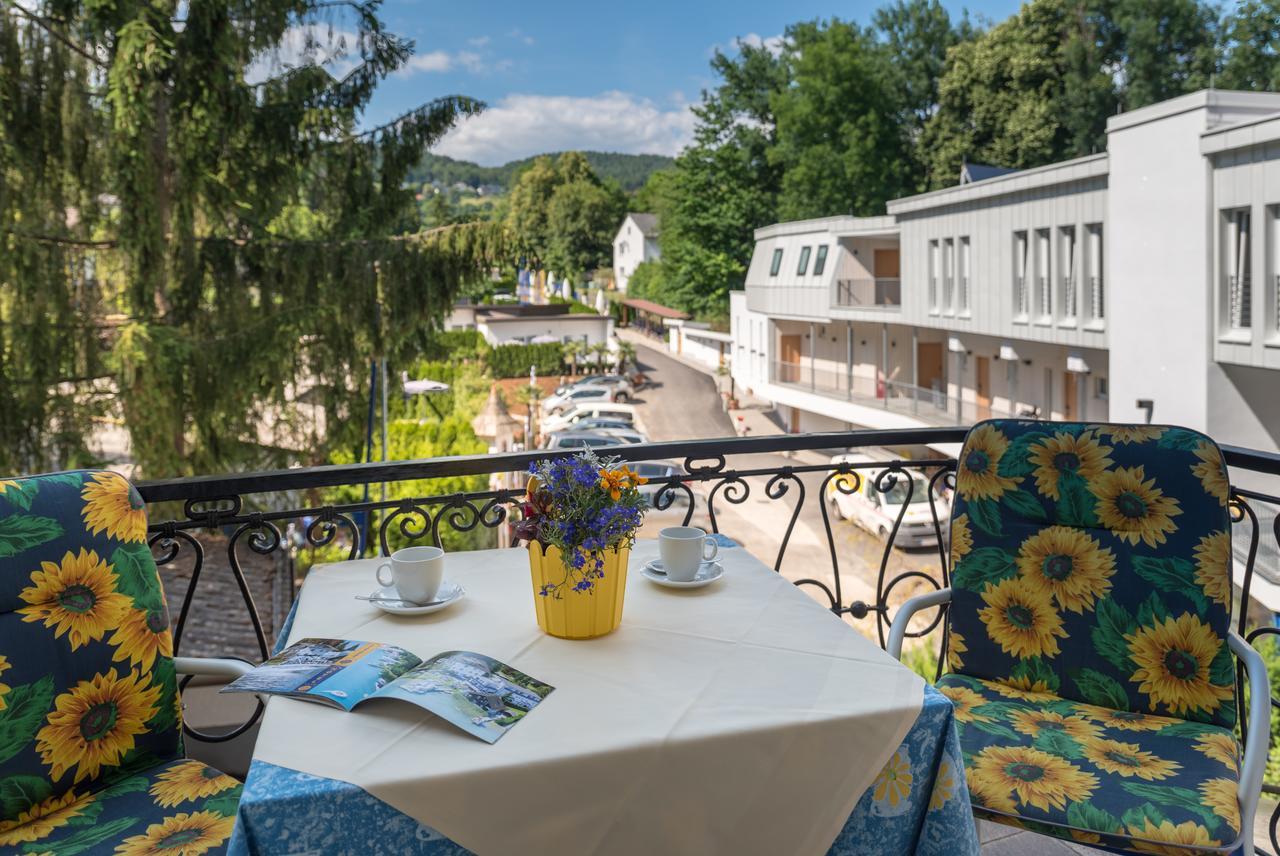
[577, 614]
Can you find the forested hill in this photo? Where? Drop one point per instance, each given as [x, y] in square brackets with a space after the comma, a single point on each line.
[630, 171]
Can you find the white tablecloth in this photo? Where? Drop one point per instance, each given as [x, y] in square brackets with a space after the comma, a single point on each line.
[740, 718]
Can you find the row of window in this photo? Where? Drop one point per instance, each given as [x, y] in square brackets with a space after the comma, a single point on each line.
[1058, 290]
[953, 296]
[802, 268]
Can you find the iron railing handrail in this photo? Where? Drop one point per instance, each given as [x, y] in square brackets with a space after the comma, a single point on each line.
[336, 475]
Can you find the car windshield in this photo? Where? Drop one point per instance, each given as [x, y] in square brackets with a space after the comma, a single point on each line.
[897, 494]
[583, 442]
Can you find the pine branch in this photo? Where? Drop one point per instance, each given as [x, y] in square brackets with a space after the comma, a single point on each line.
[47, 24]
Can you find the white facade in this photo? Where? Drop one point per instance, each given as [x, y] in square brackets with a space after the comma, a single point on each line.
[635, 243]
[523, 330]
[1149, 273]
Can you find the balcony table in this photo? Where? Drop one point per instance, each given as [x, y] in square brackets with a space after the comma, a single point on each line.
[738, 718]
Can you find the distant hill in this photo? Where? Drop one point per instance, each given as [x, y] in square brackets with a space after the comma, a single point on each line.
[630, 171]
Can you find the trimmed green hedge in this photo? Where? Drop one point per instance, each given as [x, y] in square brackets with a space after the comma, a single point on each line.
[515, 360]
[451, 344]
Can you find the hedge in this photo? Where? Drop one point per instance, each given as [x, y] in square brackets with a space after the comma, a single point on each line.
[515, 360]
[449, 344]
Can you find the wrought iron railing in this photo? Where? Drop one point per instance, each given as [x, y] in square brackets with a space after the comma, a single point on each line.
[253, 510]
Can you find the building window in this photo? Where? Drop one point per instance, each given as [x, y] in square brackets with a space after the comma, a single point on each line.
[1093, 254]
[948, 275]
[804, 261]
[777, 262]
[1067, 263]
[1100, 388]
[934, 265]
[1237, 263]
[820, 261]
[1021, 304]
[1044, 285]
[1273, 261]
[965, 271]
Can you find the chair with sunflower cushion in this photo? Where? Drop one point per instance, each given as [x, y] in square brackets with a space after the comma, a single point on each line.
[91, 756]
[1090, 651]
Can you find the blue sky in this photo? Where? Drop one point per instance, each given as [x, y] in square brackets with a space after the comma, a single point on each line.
[574, 74]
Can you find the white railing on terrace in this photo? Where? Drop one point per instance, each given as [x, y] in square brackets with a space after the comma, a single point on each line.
[878, 293]
[1096, 307]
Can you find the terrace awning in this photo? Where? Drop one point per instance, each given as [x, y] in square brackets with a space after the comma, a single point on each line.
[651, 308]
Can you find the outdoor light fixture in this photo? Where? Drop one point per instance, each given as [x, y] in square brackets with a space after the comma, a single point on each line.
[1148, 405]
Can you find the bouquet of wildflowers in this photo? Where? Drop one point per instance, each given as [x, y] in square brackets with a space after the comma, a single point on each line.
[584, 505]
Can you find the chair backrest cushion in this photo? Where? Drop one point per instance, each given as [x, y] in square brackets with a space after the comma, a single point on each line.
[88, 692]
[1093, 561]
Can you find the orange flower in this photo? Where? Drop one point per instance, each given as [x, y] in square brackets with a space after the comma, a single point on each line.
[634, 477]
[614, 482]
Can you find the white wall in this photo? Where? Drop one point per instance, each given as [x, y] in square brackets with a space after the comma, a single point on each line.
[630, 248]
[595, 328]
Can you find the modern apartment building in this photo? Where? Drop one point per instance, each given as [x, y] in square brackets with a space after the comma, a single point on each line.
[1140, 282]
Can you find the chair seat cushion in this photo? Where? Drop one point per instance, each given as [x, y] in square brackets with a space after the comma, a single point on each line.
[1095, 775]
[181, 807]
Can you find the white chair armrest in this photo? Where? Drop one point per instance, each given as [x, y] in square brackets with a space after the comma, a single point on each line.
[1255, 754]
[898, 630]
[217, 667]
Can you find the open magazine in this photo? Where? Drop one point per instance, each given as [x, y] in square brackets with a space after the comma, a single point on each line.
[478, 694]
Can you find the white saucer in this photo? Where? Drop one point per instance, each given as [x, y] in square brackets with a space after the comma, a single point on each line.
[708, 572]
[448, 593]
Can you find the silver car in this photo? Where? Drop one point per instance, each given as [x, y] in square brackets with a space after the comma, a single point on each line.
[581, 440]
[622, 388]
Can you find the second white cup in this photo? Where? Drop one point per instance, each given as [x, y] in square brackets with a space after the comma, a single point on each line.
[683, 550]
[416, 573]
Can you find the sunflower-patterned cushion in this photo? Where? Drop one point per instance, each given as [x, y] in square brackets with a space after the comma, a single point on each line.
[89, 704]
[1093, 774]
[179, 807]
[1094, 562]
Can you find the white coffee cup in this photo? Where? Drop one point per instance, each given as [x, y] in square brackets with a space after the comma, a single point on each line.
[683, 550]
[416, 573]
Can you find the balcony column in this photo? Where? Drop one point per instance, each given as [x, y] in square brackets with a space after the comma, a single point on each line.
[813, 356]
[848, 359]
[884, 361]
[915, 370]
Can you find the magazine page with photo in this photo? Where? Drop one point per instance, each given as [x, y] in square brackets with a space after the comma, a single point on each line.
[480, 695]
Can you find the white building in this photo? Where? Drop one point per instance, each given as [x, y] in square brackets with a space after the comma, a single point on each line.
[1141, 281]
[523, 324]
[636, 242]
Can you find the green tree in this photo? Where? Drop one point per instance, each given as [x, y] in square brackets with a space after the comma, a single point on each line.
[1164, 49]
[916, 35]
[154, 158]
[724, 184]
[841, 141]
[1251, 40]
[582, 218]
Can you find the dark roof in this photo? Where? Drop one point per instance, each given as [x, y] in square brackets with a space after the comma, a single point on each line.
[649, 306]
[648, 223]
[971, 172]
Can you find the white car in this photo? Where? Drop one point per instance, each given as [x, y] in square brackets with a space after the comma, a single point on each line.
[876, 512]
[622, 388]
[581, 440]
[588, 410]
[573, 395]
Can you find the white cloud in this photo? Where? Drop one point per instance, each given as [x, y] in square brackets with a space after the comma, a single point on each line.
[772, 43]
[478, 41]
[335, 49]
[429, 62]
[521, 125]
[521, 36]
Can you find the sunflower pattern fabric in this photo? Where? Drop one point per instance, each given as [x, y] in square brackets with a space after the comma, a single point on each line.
[90, 740]
[1093, 774]
[1091, 580]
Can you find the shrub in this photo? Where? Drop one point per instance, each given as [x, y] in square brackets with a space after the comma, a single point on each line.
[515, 360]
[454, 344]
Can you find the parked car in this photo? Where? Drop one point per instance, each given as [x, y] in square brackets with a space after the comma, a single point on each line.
[876, 511]
[580, 440]
[560, 401]
[622, 387]
[589, 410]
[603, 424]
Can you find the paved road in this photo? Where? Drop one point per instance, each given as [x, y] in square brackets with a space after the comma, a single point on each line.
[684, 404]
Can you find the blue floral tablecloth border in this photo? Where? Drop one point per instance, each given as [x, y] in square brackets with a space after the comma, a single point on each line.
[918, 804]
